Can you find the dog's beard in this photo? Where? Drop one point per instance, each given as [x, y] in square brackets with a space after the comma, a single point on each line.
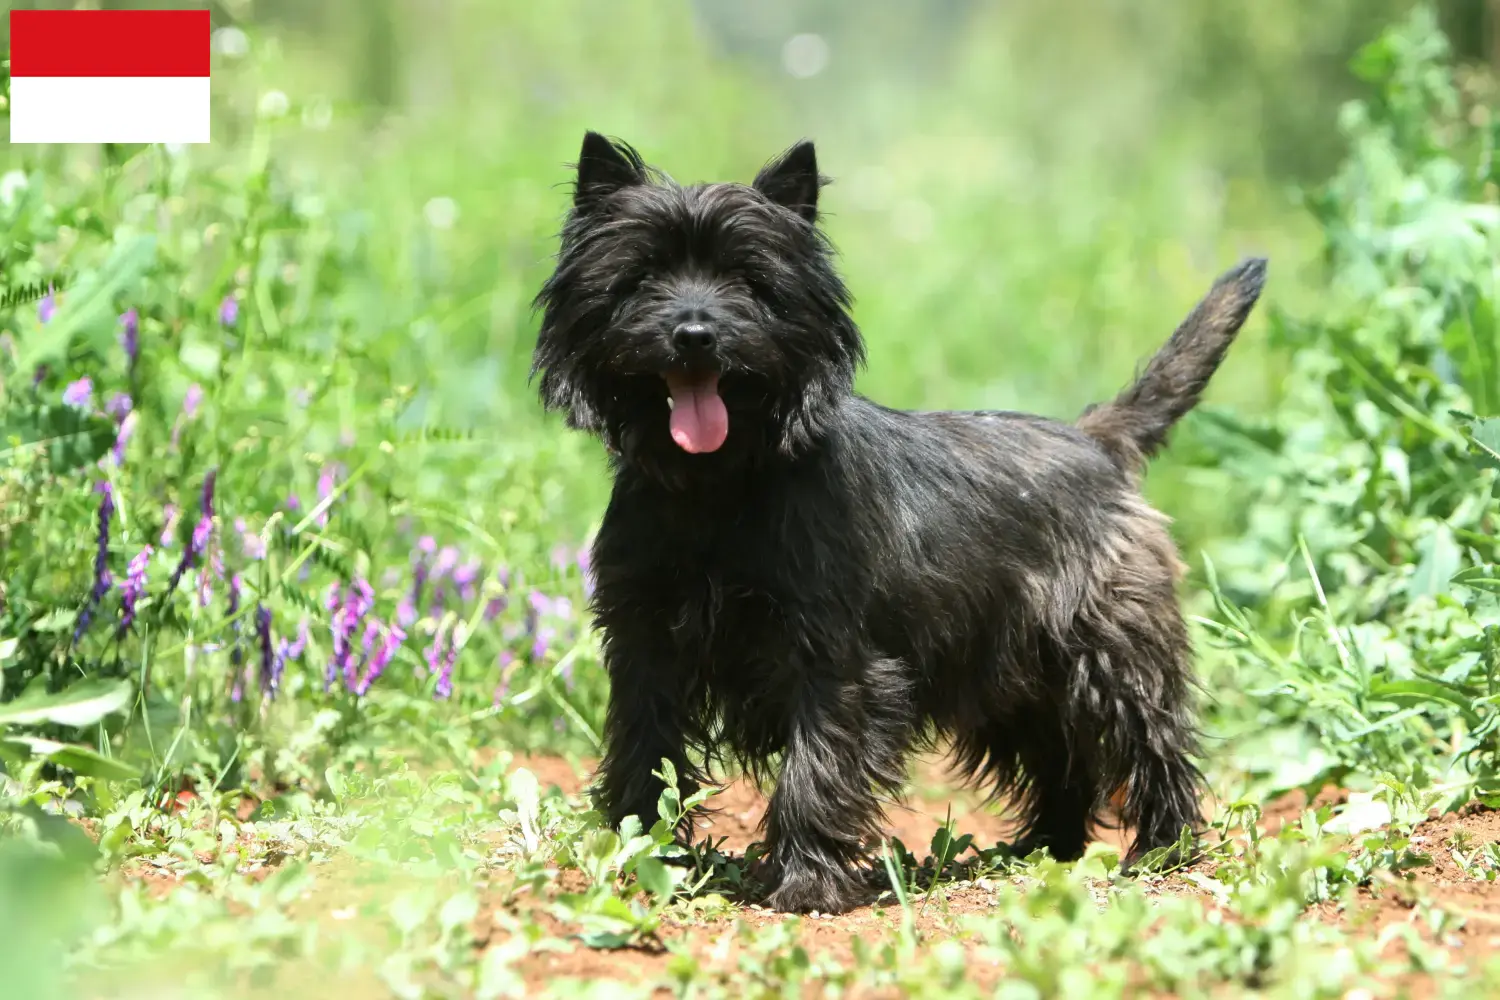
[700, 420]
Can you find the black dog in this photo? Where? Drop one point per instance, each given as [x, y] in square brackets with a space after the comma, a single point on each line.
[788, 570]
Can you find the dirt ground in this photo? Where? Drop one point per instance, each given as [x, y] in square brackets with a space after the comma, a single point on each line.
[740, 808]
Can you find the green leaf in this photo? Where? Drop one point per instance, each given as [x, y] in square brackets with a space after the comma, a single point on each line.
[200, 358]
[1478, 577]
[89, 303]
[410, 910]
[59, 620]
[70, 438]
[497, 975]
[1441, 558]
[606, 940]
[1484, 439]
[458, 911]
[1425, 694]
[78, 759]
[83, 704]
[1473, 342]
[654, 878]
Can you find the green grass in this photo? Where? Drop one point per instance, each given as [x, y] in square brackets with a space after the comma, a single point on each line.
[1020, 225]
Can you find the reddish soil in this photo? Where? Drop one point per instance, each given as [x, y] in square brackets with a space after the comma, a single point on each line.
[1473, 933]
[1396, 908]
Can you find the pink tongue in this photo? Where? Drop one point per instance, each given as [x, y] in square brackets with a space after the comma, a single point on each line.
[699, 420]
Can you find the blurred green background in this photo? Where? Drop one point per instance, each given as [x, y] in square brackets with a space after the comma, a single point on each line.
[1028, 194]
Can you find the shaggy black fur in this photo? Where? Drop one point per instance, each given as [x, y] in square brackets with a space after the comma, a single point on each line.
[832, 583]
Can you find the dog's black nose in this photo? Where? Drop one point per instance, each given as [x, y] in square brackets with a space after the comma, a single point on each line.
[693, 336]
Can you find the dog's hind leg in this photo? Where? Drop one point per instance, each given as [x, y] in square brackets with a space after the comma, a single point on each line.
[1043, 778]
[1130, 693]
[1151, 746]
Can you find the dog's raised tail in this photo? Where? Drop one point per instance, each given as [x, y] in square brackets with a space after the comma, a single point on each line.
[1133, 426]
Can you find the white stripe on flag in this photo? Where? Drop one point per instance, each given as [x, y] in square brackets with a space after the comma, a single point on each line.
[109, 109]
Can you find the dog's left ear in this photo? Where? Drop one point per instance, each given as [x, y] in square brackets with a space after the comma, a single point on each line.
[605, 166]
[792, 180]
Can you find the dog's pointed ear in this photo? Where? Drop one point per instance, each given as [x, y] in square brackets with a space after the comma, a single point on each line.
[792, 180]
[604, 167]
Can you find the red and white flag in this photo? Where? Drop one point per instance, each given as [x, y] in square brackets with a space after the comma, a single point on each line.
[109, 75]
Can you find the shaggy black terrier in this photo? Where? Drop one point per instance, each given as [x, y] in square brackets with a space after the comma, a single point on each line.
[788, 571]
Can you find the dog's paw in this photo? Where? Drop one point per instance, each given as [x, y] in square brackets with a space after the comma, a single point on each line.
[808, 890]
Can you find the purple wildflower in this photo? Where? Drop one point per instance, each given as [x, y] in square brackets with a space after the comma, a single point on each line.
[211, 570]
[372, 632]
[202, 532]
[444, 688]
[394, 637]
[348, 613]
[447, 558]
[285, 651]
[251, 544]
[297, 647]
[559, 558]
[464, 577]
[102, 579]
[191, 400]
[327, 479]
[79, 393]
[169, 529]
[229, 310]
[542, 643]
[133, 588]
[236, 653]
[122, 438]
[406, 611]
[130, 336]
[263, 641]
[495, 607]
[47, 308]
[119, 406]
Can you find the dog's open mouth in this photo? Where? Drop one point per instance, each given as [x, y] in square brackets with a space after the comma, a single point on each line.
[699, 420]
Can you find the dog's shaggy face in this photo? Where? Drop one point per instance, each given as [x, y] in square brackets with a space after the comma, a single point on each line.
[699, 320]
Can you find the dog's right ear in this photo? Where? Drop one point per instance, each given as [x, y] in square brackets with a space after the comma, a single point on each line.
[604, 167]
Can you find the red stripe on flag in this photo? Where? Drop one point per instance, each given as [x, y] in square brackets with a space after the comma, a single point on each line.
[109, 43]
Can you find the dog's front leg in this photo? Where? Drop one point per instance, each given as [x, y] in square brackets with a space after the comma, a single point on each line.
[643, 725]
[824, 807]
